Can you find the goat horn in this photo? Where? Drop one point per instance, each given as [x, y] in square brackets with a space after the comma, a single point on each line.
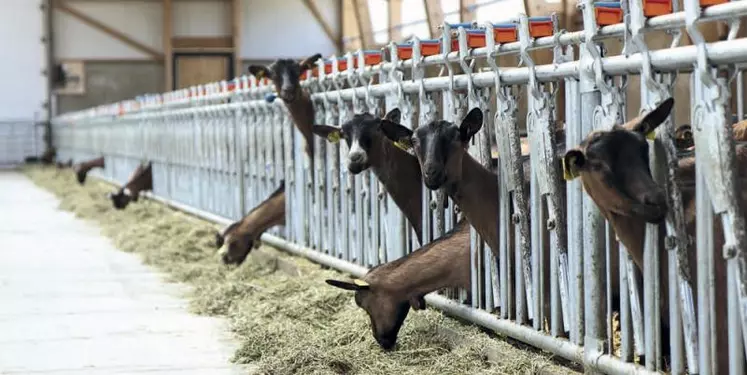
[360, 282]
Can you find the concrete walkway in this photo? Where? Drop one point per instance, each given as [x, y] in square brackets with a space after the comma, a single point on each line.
[70, 303]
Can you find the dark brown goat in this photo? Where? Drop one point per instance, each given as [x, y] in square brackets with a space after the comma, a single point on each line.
[239, 238]
[140, 180]
[82, 169]
[49, 155]
[285, 75]
[388, 291]
[396, 169]
[613, 167]
[441, 149]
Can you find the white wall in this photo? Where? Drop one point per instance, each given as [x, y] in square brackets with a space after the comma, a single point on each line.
[139, 20]
[24, 88]
[270, 28]
[202, 18]
[285, 28]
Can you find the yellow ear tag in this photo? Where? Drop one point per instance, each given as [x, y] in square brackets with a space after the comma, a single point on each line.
[260, 75]
[360, 282]
[567, 174]
[333, 137]
[651, 135]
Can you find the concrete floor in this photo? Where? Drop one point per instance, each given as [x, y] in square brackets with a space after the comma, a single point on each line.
[70, 303]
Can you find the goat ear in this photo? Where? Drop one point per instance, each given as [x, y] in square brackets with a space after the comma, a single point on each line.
[394, 116]
[400, 135]
[259, 71]
[332, 133]
[218, 240]
[573, 162]
[346, 285]
[308, 63]
[653, 119]
[471, 124]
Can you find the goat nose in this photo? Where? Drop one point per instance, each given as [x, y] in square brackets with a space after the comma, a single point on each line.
[431, 172]
[356, 157]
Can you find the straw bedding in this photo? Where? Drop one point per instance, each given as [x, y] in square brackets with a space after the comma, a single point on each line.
[287, 324]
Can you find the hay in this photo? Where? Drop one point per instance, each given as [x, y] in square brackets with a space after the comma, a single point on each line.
[286, 325]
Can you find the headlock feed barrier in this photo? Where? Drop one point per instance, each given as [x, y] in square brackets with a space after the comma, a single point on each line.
[559, 276]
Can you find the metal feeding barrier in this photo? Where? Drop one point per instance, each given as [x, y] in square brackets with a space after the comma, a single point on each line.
[219, 149]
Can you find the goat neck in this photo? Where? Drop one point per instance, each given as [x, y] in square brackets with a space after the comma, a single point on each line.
[400, 173]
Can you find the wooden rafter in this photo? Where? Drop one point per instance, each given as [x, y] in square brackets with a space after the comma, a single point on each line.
[434, 14]
[168, 63]
[466, 10]
[320, 20]
[363, 20]
[63, 7]
[395, 20]
[236, 30]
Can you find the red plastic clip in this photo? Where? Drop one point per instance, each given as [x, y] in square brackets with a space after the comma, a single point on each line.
[505, 32]
[608, 13]
[370, 58]
[707, 3]
[540, 27]
[653, 8]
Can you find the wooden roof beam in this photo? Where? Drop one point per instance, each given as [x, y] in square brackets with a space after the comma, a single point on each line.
[90, 21]
[467, 10]
[334, 37]
[435, 16]
[363, 19]
[394, 16]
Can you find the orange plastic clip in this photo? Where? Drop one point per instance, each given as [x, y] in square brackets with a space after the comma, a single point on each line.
[707, 3]
[608, 13]
[505, 32]
[653, 8]
[540, 27]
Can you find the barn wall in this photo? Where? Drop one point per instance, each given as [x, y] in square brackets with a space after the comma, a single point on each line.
[113, 70]
[272, 29]
[108, 82]
[116, 71]
[201, 18]
[24, 87]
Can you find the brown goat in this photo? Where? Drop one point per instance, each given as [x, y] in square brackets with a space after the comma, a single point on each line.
[82, 169]
[140, 180]
[441, 149]
[613, 167]
[239, 238]
[388, 291]
[683, 135]
[285, 75]
[396, 169]
[48, 155]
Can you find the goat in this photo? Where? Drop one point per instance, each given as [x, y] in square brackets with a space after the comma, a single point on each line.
[238, 239]
[285, 75]
[683, 135]
[441, 149]
[82, 169]
[48, 155]
[388, 291]
[396, 169]
[614, 170]
[140, 180]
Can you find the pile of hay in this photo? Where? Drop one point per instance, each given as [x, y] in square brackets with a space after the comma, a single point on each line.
[286, 325]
